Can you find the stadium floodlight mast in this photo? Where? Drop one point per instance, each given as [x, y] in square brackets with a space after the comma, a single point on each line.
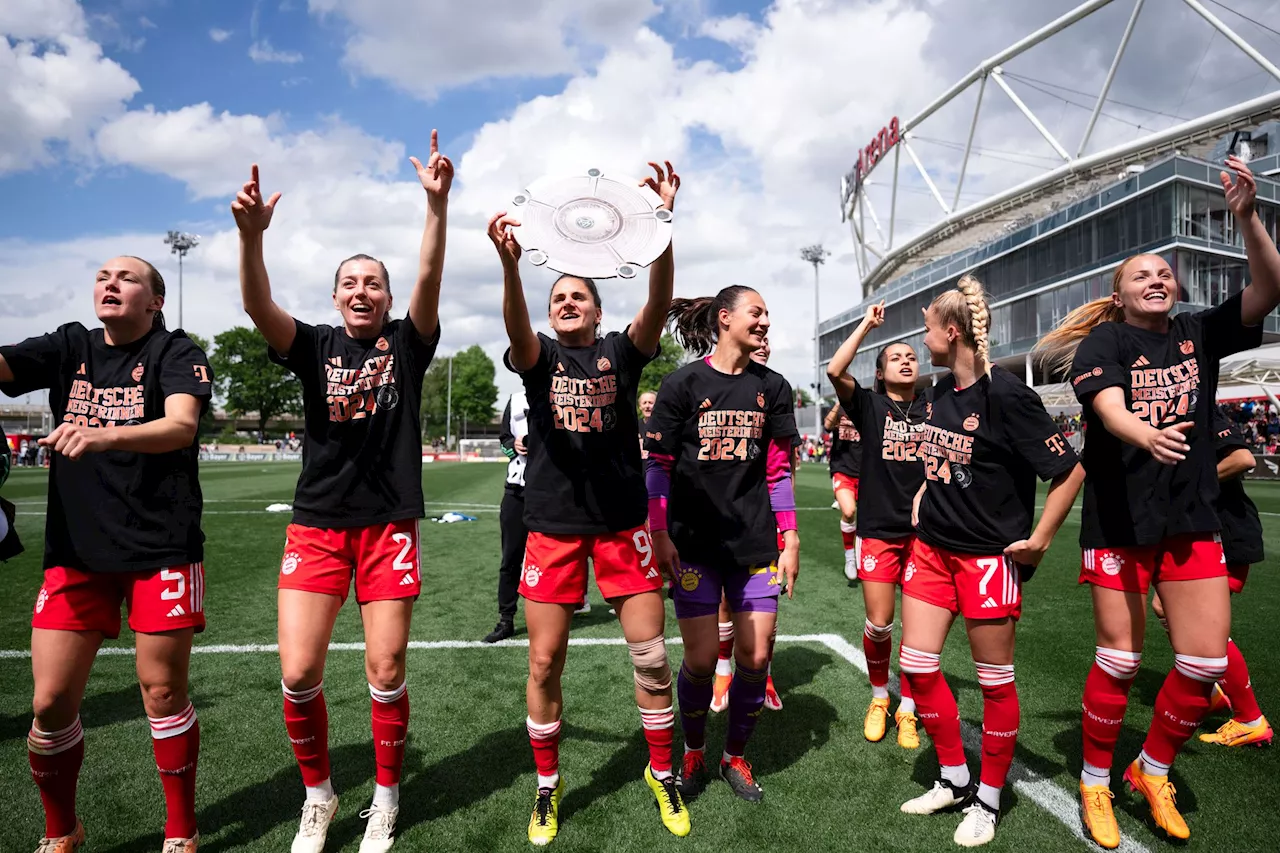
[817, 256]
[180, 243]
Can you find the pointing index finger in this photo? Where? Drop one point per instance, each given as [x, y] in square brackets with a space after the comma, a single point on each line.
[435, 141]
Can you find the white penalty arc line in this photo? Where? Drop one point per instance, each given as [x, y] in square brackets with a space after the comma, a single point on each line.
[1044, 793]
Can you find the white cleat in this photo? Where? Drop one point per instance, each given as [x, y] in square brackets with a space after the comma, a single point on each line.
[379, 832]
[851, 565]
[941, 796]
[977, 828]
[835, 504]
[314, 826]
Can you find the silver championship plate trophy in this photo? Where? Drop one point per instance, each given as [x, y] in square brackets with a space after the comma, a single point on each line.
[591, 225]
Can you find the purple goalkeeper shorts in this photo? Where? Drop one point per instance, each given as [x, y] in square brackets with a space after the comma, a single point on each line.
[697, 589]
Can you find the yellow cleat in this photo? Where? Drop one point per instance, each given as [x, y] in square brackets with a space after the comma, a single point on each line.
[908, 734]
[675, 817]
[1099, 818]
[545, 823]
[63, 844]
[877, 720]
[720, 693]
[1218, 700]
[1235, 733]
[1161, 798]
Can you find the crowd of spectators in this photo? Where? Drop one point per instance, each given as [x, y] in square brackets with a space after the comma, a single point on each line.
[1258, 421]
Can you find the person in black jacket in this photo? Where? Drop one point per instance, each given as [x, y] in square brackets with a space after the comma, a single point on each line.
[511, 515]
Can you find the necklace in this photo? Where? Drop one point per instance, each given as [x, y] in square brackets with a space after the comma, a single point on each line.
[904, 415]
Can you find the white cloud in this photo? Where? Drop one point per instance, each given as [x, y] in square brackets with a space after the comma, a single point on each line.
[219, 35]
[424, 53]
[55, 93]
[41, 19]
[146, 23]
[261, 51]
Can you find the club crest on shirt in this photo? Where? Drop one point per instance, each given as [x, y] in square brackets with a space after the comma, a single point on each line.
[137, 373]
[656, 436]
[532, 574]
[1187, 347]
[689, 579]
[1112, 564]
[869, 563]
[290, 563]
[603, 364]
[382, 344]
[760, 400]
[971, 422]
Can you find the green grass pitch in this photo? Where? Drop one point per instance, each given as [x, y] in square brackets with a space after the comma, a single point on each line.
[469, 773]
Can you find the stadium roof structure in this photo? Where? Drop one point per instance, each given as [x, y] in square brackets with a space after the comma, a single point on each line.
[880, 258]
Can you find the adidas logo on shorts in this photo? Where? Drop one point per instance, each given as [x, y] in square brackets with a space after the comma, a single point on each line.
[653, 573]
[407, 580]
[990, 602]
[177, 611]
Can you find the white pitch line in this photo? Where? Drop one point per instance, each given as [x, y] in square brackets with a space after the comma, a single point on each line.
[1044, 793]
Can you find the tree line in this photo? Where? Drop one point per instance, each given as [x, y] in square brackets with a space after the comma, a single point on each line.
[248, 382]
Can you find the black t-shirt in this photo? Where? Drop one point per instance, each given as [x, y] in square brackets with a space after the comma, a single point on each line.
[1241, 527]
[1129, 497]
[362, 445]
[718, 427]
[891, 468]
[982, 449]
[846, 447]
[583, 475]
[117, 511]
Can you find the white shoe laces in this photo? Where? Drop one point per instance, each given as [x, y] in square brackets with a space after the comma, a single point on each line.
[980, 819]
[382, 823]
[174, 845]
[315, 819]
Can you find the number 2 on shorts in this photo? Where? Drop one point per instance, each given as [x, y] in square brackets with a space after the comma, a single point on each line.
[406, 545]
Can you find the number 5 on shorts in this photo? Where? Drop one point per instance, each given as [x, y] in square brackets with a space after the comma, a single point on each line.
[643, 547]
[168, 575]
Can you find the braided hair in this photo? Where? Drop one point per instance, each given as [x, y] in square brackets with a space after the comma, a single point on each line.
[965, 307]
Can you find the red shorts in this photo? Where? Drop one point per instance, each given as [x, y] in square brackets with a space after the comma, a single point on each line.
[977, 586]
[1237, 574]
[883, 560]
[555, 565]
[1190, 557]
[159, 600]
[383, 558]
[844, 483]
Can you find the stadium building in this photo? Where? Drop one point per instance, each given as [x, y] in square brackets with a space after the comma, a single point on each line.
[1049, 244]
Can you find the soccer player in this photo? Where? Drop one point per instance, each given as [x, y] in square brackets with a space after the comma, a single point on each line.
[122, 525]
[1147, 381]
[1242, 545]
[986, 438]
[585, 499]
[845, 463]
[719, 476]
[892, 417]
[515, 430]
[359, 497]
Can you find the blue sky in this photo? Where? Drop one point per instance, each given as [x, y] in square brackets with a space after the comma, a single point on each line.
[121, 119]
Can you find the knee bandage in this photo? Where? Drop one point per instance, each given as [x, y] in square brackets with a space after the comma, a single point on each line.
[653, 671]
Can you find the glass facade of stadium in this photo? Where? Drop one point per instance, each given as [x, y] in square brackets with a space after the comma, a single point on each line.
[1036, 274]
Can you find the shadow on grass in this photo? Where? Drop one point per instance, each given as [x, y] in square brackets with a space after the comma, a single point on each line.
[96, 710]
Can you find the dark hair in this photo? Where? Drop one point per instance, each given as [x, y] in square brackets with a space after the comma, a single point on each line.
[881, 358]
[590, 284]
[697, 321]
[157, 289]
[386, 276]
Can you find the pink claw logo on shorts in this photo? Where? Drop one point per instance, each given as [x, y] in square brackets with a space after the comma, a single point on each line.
[910, 571]
[290, 563]
[532, 574]
[41, 599]
[1111, 564]
[868, 563]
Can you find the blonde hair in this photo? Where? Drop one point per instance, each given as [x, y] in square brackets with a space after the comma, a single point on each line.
[1058, 348]
[966, 309]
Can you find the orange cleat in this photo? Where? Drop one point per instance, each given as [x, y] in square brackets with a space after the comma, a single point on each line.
[772, 700]
[63, 844]
[1099, 817]
[1236, 733]
[1219, 701]
[1161, 798]
[720, 694]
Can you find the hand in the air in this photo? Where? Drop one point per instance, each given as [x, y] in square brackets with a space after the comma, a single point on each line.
[666, 184]
[437, 175]
[1241, 192]
[500, 233]
[252, 214]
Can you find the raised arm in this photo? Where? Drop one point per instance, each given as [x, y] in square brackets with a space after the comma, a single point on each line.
[832, 418]
[436, 178]
[253, 216]
[1169, 445]
[646, 328]
[838, 367]
[515, 311]
[1263, 293]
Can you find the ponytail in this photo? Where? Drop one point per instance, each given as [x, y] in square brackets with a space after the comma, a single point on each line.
[965, 307]
[697, 321]
[157, 321]
[1058, 348]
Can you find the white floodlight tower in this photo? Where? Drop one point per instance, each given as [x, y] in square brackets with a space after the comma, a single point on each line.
[816, 255]
[180, 243]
